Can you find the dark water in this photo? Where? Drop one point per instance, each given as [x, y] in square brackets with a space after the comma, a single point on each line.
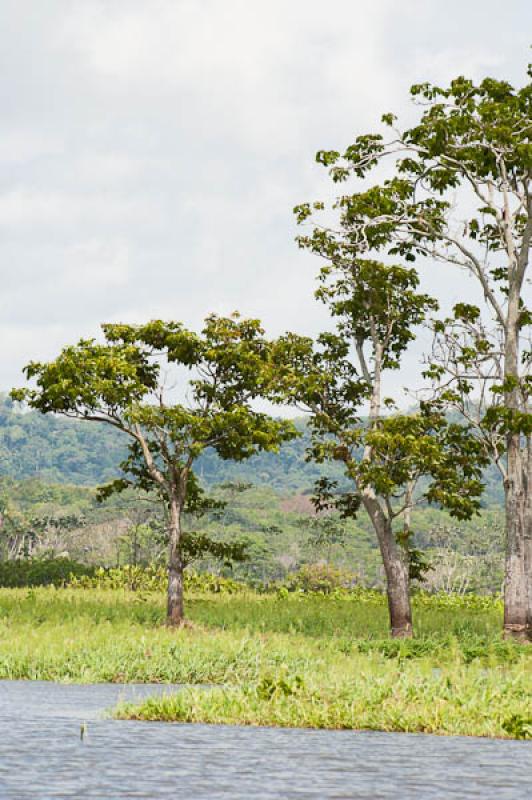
[42, 756]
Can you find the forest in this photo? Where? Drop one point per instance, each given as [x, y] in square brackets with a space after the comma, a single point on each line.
[52, 466]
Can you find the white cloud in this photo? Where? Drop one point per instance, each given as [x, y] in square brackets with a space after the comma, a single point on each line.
[100, 266]
[41, 210]
[250, 71]
[21, 145]
[151, 153]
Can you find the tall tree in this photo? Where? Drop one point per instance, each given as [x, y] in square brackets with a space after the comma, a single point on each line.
[460, 193]
[126, 383]
[467, 368]
[338, 380]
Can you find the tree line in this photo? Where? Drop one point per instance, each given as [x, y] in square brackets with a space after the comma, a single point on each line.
[55, 450]
[456, 194]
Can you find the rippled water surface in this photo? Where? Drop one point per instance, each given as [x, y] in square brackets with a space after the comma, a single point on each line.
[42, 756]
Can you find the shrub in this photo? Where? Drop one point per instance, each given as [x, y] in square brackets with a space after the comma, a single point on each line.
[452, 600]
[153, 579]
[41, 572]
[320, 578]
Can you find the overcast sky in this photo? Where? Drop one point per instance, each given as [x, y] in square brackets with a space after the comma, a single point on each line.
[151, 151]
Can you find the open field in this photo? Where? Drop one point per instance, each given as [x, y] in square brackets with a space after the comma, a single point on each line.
[309, 661]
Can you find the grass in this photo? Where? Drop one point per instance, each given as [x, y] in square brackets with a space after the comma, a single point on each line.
[310, 662]
[367, 694]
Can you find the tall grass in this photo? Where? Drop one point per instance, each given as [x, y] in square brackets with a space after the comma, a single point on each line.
[406, 697]
[297, 660]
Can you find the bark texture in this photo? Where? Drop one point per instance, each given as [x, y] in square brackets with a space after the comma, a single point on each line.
[396, 569]
[516, 614]
[175, 614]
[518, 574]
[527, 535]
[517, 583]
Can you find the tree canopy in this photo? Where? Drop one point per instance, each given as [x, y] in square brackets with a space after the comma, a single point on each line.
[458, 191]
[125, 382]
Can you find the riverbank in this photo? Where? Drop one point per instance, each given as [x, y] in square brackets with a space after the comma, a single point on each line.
[413, 698]
[42, 754]
[296, 662]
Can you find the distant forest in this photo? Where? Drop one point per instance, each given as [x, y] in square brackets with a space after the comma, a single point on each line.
[56, 450]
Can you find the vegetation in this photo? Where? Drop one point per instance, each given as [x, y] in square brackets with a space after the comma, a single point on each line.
[123, 384]
[277, 532]
[392, 463]
[408, 698]
[311, 660]
[41, 572]
[150, 579]
[56, 450]
[287, 615]
[459, 192]
[37, 449]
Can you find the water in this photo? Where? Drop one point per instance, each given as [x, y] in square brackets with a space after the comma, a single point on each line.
[42, 756]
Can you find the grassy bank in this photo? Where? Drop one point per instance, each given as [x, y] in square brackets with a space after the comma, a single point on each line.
[369, 695]
[315, 661]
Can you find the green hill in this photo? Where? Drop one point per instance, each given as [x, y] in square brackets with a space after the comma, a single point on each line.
[57, 450]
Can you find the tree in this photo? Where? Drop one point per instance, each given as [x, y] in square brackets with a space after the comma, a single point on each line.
[325, 532]
[460, 193]
[338, 378]
[125, 383]
[465, 558]
[467, 368]
[144, 540]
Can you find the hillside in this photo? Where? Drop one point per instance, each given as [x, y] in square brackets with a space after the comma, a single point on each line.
[48, 466]
[57, 450]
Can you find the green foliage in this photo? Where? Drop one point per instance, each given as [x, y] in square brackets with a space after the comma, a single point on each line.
[390, 462]
[464, 134]
[42, 572]
[376, 308]
[199, 545]
[114, 382]
[418, 563]
[411, 699]
[335, 669]
[56, 450]
[152, 579]
[319, 578]
[121, 383]
[371, 302]
[269, 687]
[472, 138]
[471, 144]
[518, 727]
[130, 577]
[426, 444]
[279, 532]
[403, 447]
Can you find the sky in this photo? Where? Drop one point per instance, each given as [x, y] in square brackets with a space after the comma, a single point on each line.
[151, 152]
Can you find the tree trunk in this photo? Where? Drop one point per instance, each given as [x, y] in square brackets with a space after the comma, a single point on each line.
[515, 580]
[527, 535]
[396, 571]
[517, 620]
[398, 592]
[175, 614]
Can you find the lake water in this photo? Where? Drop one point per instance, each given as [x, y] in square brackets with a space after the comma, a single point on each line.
[42, 756]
